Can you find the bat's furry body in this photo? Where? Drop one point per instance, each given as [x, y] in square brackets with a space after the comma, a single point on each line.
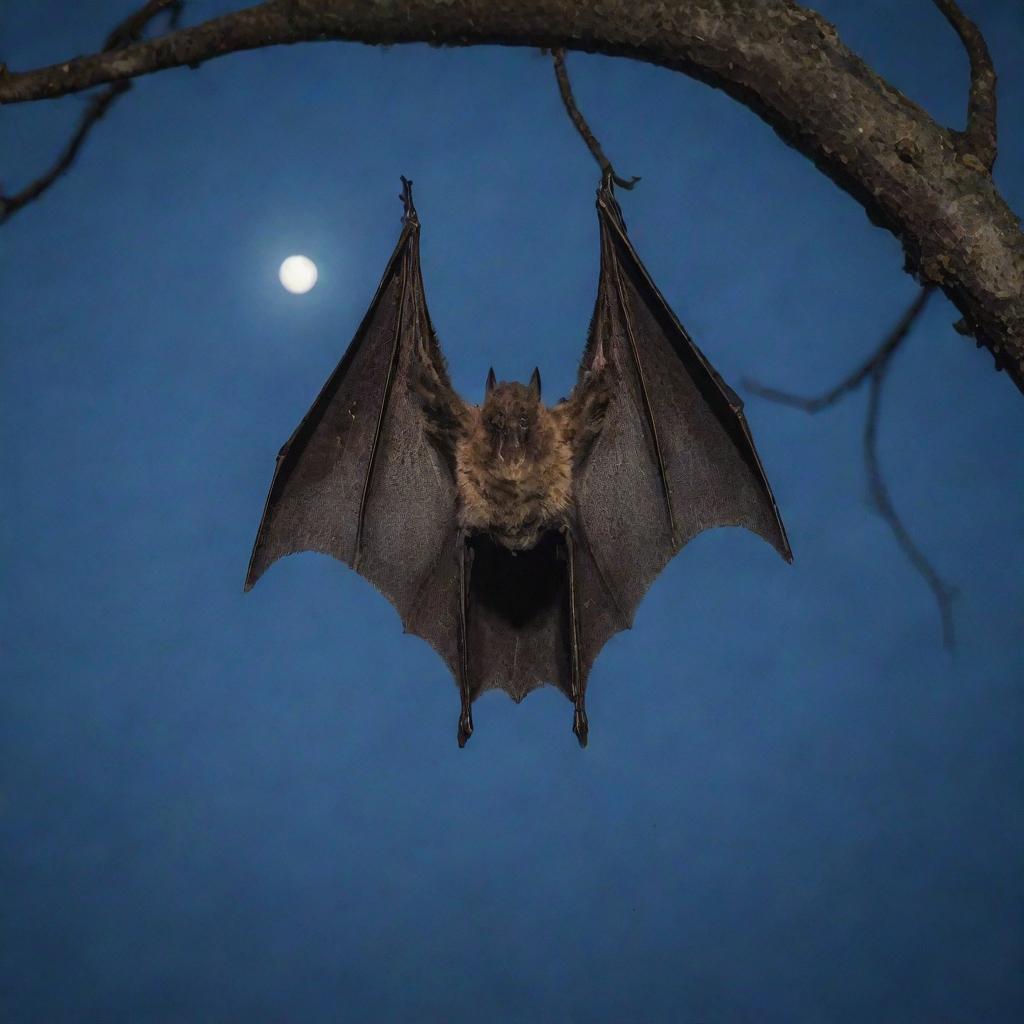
[522, 536]
[513, 455]
[515, 499]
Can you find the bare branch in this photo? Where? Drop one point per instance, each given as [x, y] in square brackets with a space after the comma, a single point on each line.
[129, 31]
[979, 138]
[785, 62]
[873, 370]
[943, 593]
[98, 106]
[875, 362]
[565, 88]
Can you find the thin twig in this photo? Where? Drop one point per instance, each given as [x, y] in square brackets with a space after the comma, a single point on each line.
[98, 106]
[873, 370]
[877, 359]
[581, 125]
[979, 137]
[881, 499]
[128, 31]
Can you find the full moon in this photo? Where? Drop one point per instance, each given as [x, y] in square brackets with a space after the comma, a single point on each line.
[298, 274]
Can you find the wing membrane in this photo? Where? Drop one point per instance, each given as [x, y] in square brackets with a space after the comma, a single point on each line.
[675, 443]
[359, 479]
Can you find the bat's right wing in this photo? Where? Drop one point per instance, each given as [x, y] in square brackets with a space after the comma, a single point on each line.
[674, 457]
[359, 478]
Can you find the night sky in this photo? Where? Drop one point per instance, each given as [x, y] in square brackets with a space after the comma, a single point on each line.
[796, 806]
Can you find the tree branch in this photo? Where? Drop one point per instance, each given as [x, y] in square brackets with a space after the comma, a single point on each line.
[943, 593]
[876, 362]
[98, 106]
[873, 370]
[565, 88]
[979, 138]
[128, 31]
[784, 62]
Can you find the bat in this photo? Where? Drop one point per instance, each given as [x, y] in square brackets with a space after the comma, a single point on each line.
[513, 536]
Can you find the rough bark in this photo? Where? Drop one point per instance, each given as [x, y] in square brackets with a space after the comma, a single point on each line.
[927, 184]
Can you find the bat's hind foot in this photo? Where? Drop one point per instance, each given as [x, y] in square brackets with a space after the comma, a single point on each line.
[465, 726]
[580, 726]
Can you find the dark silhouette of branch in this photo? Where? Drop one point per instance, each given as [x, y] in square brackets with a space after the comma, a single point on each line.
[873, 370]
[979, 137]
[97, 107]
[881, 499]
[128, 31]
[776, 57]
[582, 127]
[875, 362]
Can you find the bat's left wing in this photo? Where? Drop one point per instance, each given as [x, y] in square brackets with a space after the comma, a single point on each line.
[674, 457]
[359, 478]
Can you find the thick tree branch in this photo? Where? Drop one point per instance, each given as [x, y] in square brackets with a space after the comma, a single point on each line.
[784, 62]
[128, 31]
[873, 370]
[979, 138]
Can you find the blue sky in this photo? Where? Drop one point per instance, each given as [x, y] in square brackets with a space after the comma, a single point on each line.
[795, 806]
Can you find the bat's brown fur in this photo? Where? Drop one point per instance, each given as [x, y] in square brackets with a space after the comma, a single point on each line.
[514, 492]
[513, 457]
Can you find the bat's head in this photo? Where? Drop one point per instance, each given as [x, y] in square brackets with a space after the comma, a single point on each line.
[510, 416]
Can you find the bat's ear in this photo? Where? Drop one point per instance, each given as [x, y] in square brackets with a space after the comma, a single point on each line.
[535, 383]
[491, 381]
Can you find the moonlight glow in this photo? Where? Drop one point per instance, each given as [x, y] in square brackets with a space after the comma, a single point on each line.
[298, 274]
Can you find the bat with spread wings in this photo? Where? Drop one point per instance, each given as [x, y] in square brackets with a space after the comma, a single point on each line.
[513, 536]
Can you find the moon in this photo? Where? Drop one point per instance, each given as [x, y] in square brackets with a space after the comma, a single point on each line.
[298, 274]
